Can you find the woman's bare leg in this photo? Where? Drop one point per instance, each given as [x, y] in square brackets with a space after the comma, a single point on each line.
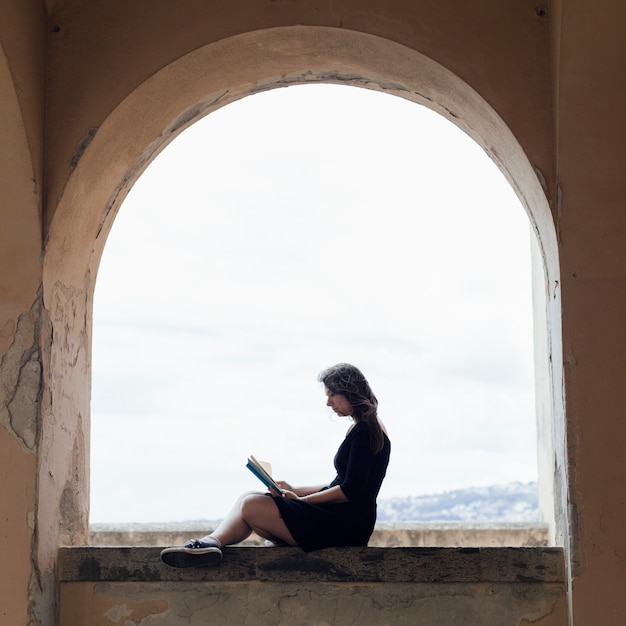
[233, 529]
[253, 512]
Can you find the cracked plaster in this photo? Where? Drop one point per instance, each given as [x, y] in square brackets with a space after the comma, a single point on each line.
[21, 380]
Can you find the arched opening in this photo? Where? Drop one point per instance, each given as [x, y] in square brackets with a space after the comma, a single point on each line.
[145, 122]
[377, 233]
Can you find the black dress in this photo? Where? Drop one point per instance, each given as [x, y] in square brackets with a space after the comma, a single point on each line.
[360, 474]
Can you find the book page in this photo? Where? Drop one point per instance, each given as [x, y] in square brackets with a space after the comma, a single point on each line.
[266, 466]
[263, 465]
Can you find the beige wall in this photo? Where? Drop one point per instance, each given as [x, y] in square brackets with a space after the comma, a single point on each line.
[290, 604]
[21, 161]
[538, 85]
[592, 227]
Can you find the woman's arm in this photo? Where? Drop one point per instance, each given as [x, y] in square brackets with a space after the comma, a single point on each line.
[332, 494]
[300, 491]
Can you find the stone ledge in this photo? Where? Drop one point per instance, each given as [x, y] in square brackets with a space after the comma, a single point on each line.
[386, 534]
[339, 565]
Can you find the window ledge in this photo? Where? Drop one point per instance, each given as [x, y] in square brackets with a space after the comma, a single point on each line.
[367, 565]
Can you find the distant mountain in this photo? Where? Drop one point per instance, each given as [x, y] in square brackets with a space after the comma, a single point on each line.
[514, 502]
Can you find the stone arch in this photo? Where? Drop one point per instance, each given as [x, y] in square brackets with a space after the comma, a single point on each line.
[114, 155]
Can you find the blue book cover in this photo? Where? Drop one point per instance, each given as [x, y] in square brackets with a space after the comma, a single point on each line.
[256, 467]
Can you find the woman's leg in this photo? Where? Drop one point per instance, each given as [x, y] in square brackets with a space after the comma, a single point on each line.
[252, 512]
[233, 529]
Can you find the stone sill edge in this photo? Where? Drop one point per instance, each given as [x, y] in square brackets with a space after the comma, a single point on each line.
[536, 565]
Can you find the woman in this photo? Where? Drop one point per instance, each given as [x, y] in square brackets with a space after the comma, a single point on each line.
[341, 513]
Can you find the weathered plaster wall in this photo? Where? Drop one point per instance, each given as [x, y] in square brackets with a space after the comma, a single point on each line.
[294, 604]
[592, 234]
[22, 45]
[21, 159]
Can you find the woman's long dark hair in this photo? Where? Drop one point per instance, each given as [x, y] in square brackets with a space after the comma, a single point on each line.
[348, 380]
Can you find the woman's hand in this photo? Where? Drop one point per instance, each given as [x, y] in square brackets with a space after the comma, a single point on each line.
[287, 491]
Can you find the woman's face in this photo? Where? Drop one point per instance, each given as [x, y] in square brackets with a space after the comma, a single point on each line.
[338, 403]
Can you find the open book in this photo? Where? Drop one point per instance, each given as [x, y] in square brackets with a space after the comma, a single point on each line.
[263, 471]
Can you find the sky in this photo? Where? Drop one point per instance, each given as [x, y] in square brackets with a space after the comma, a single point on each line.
[286, 232]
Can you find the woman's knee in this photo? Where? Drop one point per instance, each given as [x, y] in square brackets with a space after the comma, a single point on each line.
[261, 514]
[246, 494]
[239, 502]
[253, 503]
